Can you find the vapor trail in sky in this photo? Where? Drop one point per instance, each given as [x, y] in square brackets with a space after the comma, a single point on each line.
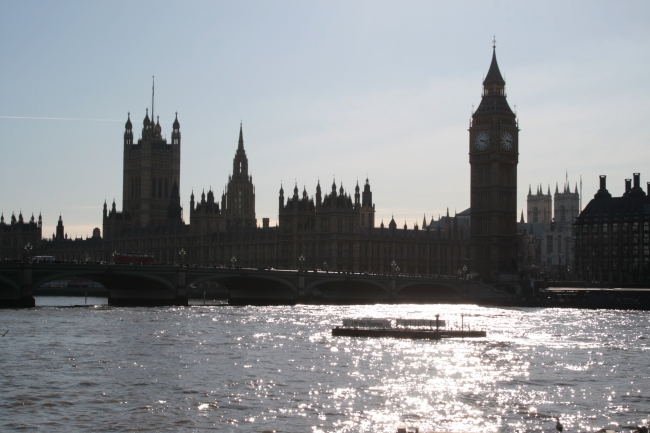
[91, 120]
[60, 118]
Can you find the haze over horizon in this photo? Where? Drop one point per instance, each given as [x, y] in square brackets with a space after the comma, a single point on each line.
[325, 90]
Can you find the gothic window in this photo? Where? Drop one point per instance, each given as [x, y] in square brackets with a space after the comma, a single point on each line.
[166, 188]
[238, 200]
[559, 244]
[153, 187]
[160, 187]
[549, 244]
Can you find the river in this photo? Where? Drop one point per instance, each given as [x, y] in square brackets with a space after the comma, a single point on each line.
[220, 368]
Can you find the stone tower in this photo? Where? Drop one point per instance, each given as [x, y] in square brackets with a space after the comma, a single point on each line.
[539, 206]
[152, 167]
[493, 158]
[238, 205]
[367, 209]
[566, 205]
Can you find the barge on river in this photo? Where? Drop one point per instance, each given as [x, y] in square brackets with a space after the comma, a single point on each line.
[410, 329]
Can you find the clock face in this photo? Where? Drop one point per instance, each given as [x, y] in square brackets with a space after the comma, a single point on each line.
[507, 141]
[481, 140]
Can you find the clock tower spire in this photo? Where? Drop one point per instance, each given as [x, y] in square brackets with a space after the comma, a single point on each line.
[493, 158]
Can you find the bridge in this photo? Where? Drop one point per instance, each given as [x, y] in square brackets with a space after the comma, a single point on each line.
[151, 285]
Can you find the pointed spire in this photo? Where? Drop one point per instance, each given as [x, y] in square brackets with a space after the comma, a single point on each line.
[556, 188]
[522, 216]
[549, 189]
[240, 145]
[494, 74]
[529, 190]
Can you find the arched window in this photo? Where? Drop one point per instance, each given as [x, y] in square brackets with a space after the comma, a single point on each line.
[160, 187]
[153, 187]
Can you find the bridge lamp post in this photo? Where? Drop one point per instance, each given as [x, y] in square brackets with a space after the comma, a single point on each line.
[182, 253]
[394, 266]
[233, 261]
[28, 249]
[301, 259]
[325, 266]
[465, 270]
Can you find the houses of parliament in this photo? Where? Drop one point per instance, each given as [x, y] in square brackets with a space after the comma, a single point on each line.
[334, 229]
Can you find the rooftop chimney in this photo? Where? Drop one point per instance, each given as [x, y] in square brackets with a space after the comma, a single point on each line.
[628, 186]
[637, 180]
[602, 192]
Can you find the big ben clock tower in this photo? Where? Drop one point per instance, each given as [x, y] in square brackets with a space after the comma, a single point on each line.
[493, 157]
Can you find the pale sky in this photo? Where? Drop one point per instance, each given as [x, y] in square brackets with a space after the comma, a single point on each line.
[325, 89]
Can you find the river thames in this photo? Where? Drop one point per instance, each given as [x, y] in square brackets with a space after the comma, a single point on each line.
[221, 368]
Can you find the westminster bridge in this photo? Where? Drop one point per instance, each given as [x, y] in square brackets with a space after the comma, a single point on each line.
[152, 285]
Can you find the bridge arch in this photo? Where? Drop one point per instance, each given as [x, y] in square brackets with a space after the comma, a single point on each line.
[125, 286]
[340, 289]
[9, 287]
[428, 291]
[246, 289]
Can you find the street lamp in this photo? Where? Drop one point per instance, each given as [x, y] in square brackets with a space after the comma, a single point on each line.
[233, 261]
[28, 249]
[465, 270]
[394, 266]
[325, 266]
[182, 253]
[301, 259]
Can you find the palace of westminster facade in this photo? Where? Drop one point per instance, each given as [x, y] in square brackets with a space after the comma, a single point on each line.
[335, 230]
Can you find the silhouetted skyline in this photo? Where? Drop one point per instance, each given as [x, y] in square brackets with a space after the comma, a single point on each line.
[324, 89]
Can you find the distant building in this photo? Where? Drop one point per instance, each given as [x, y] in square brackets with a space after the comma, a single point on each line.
[546, 243]
[613, 235]
[19, 239]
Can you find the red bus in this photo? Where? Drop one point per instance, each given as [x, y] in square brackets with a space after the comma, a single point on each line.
[130, 258]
